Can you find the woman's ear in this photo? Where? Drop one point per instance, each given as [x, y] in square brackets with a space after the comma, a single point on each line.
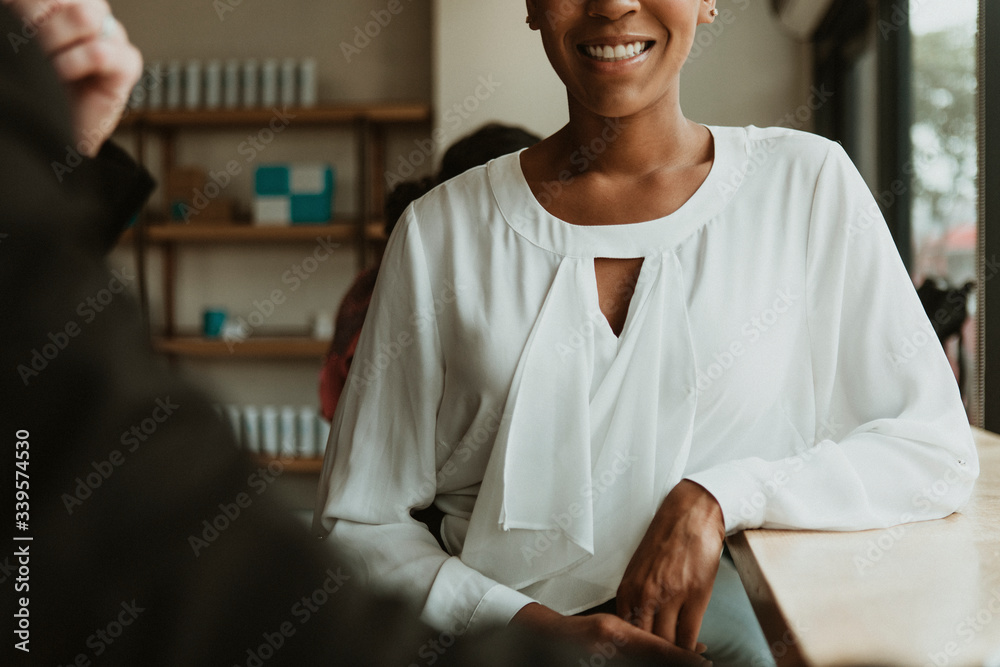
[532, 21]
[707, 11]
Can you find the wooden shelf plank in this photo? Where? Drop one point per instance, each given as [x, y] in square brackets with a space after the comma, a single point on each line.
[311, 466]
[324, 115]
[252, 348]
[234, 233]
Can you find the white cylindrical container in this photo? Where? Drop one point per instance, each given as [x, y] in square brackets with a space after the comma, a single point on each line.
[192, 85]
[174, 84]
[289, 440]
[213, 84]
[250, 84]
[137, 99]
[231, 84]
[287, 82]
[154, 97]
[308, 85]
[233, 416]
[251, 429]
[271, 442]
[323, 325]
[269, 83]
[307, 432]
[323, 434]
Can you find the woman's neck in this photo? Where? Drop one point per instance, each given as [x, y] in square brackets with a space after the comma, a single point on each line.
[658, 139]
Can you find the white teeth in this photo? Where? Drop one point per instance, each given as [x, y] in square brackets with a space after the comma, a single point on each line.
[616, 53]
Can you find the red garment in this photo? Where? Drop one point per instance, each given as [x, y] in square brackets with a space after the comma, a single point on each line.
[350, 318]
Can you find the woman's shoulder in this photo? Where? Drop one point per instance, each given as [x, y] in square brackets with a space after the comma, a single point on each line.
[784, 153]
[466, 199]
[787, 143]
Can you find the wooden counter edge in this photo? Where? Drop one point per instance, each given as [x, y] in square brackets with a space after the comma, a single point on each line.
[781, 639]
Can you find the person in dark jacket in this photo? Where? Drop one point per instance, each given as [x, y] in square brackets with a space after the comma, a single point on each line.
[138, 535]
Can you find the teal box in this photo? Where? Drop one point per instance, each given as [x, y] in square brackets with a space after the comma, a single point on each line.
[304, 191]
[272, 180]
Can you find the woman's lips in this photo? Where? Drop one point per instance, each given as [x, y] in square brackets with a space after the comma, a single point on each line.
[608, 53]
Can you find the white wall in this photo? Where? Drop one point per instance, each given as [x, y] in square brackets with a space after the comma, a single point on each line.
[743, 70]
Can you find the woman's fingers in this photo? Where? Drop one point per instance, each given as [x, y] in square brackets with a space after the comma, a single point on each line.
[635, 642]
[665, 625]
[688, 623]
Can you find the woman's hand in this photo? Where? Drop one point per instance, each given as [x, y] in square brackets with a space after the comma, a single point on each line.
[668, 583]
[92, 56]
[606, 635]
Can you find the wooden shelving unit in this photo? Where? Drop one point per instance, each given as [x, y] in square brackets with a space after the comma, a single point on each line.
[311, 466]
[325, 115]
[230, 232]
[369, 122]
[251, 348]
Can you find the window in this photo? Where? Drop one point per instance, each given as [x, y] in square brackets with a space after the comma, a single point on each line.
[943, 204]
[909, 79]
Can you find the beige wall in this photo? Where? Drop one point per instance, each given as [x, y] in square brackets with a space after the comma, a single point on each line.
[743, 70]
[393, 66]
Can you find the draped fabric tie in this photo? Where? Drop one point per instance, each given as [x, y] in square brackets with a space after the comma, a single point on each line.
[580, 466]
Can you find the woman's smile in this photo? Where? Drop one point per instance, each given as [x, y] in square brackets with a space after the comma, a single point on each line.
[610, 51]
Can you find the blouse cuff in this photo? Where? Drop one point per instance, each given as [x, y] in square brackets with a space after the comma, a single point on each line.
[738, 494]
[497, 607]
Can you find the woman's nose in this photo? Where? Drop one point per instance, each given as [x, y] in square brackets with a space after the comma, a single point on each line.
[612, 10]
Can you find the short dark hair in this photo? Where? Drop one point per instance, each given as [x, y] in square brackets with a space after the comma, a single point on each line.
[488, 142]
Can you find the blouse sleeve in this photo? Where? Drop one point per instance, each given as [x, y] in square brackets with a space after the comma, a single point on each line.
[892, 443]
[380, 461]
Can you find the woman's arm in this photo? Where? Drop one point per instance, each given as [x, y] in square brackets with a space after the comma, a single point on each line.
[893, 443]
[382, 460]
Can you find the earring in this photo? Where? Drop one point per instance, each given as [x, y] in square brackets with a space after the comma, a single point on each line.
[528, 20]
[713, 12]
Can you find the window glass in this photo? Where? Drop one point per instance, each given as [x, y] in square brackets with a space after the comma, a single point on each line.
[945, 166]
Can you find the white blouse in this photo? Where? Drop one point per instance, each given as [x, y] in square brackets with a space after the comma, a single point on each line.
[774, 352]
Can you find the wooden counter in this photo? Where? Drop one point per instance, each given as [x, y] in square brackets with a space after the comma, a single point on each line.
[925, 593]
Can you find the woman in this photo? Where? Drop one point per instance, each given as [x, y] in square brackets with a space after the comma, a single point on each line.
[603, 354]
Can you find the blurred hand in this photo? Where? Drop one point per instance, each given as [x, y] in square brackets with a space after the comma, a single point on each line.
[668, 583]
[606, 635]
[92, 55]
